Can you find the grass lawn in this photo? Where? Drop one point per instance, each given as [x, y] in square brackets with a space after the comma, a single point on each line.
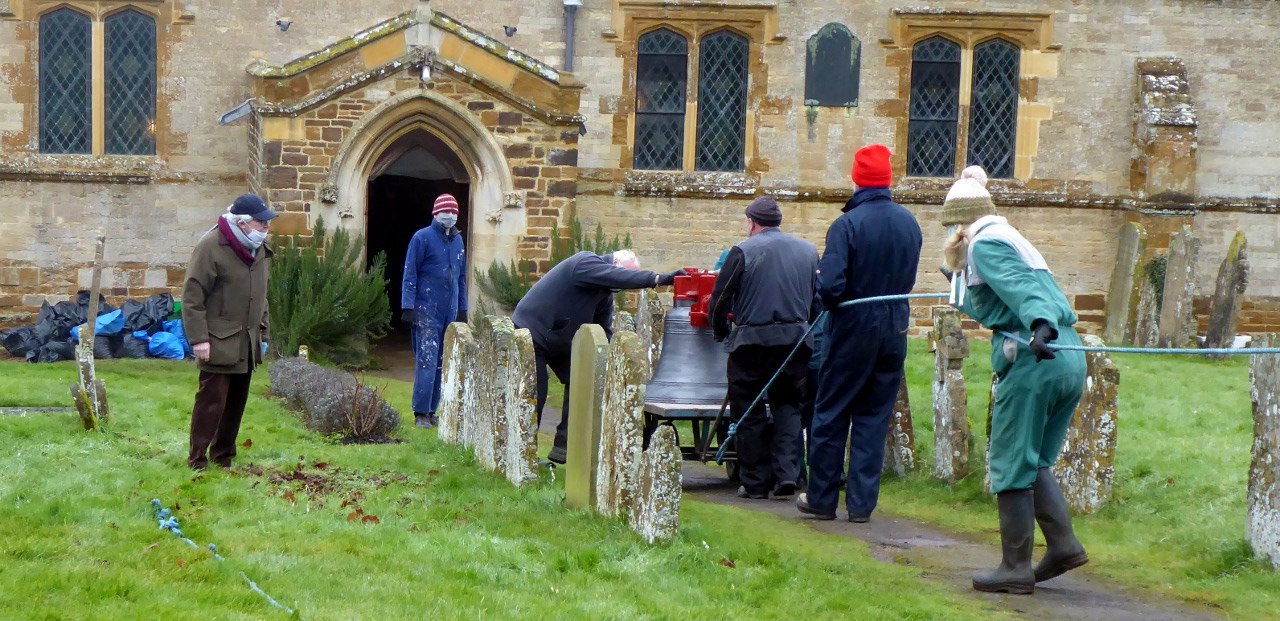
[1176, 524]
[77, 539]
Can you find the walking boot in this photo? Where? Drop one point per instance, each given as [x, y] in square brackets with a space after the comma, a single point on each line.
[1063, 551]
[423, 420]
[1017, 536]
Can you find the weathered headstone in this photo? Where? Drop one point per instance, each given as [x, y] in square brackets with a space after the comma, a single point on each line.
[1122, 296]
[655, 511]
[90, 394]
[1146, 330]
[586, 386]
[1177, 324]
[900, 445]
[1263, 527]
[1228, 295]
[455, 379]
[1086, 466]
[650, 327]
[950, 408]
[520, 449]
[622, 426]
[623, 321]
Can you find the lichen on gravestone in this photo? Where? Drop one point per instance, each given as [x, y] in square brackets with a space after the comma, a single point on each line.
[500, 372]
[1177, 323]
[457, 358]
[587, 379]
[520, 449]
[655, 512]
[651, 327]
[1228, 296]
[622, 425]
[1262, 529]
[1147, 316]
[950, 410]
[482, 426]
[1086, 465]
[900, 443]
[1122, 295]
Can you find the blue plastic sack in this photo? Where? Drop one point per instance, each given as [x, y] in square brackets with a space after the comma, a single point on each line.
[107, 324]
[165, 345]
[175, 328]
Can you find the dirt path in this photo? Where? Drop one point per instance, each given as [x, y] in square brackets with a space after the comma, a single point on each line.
[951, 559]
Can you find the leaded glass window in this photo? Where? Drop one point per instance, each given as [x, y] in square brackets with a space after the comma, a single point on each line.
[722, 101]
[831, 68]
[66, 82]
[661, 82]
[130, 83]
[935, 108]
[993, 113]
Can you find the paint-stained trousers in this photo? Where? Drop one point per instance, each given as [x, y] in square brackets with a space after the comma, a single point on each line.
[858, 386]
[767, 452]
[215, 419]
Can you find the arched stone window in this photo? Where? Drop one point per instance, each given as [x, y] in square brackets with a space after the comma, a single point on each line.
[722, 101]
[66, 82]
[831, 68]
[662, 71]
[130, 83]
[935, 108]
[993, 112]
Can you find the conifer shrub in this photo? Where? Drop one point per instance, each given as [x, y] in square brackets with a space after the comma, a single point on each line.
[322, 296]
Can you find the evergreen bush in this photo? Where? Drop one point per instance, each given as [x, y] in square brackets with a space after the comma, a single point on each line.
[322, 296]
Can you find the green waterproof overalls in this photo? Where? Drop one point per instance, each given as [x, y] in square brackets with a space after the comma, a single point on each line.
[1034, 401]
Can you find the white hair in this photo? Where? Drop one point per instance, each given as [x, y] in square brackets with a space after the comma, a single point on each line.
[627, 259]
[233, 218]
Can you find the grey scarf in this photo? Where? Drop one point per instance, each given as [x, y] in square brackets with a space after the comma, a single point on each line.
[244, 239]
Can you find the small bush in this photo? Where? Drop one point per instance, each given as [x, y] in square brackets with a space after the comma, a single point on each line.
[333, 401]
[506, 286]
[321, 295]
[1156, 269]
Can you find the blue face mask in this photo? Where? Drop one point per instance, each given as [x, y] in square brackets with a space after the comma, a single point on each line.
[447, 220]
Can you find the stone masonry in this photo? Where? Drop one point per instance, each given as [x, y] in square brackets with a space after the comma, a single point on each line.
[1086, 466]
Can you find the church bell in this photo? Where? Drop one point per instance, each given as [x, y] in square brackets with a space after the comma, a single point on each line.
[692, 368]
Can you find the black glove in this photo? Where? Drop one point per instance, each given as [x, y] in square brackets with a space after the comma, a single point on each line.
[408, 317]
[669, 279]
[462, 317]
[1041, 335]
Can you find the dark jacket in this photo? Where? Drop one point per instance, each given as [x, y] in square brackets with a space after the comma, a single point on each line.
[872, 250]
[766, 283]
[224, 303]
[578, 291]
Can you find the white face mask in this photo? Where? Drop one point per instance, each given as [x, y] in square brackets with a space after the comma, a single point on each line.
[447, 220]
[256, 237]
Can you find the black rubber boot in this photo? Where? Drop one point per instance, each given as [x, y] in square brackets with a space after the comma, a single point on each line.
[1063, 551]
[1017, 536]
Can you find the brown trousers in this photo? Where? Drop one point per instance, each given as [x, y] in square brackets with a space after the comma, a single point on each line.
[215, 420]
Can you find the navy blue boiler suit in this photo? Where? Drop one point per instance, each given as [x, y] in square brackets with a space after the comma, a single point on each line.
[872, 250]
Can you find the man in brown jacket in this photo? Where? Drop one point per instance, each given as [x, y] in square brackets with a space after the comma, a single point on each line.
[224, 313]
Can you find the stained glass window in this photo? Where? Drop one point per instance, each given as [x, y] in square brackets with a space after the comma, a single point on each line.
[935, 108]
[722, 101]
[661, 81]
[130, 83]
[831, 68]
[993, 114]
[66, 82]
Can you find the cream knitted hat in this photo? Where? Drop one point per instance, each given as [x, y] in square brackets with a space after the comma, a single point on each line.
[968, 198]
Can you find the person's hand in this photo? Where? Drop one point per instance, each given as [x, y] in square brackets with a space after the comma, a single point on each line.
[407, 316]
[201, 350]
[946, 273]
[462, 317]
[669, 279]
[1041, 335]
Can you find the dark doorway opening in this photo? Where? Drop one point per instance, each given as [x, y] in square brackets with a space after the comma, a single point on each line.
[403, 186]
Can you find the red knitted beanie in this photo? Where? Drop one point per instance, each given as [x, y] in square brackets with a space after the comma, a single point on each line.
[445, 202]
[871, 167]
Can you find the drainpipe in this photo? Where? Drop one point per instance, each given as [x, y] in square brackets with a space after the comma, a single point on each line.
[570, 20]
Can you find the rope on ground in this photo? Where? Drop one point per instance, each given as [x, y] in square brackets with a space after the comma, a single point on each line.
[1227, 351]
[168, 522]
[733, 427]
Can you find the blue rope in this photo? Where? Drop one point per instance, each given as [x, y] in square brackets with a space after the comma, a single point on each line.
[1155, 350]
[733, 427]
[170, 523]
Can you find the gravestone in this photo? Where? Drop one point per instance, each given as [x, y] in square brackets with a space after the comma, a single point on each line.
[1146, 319]
[1122, 296]
[490, 393]
[1177, 324]
[655, 511]
[950, 408]
[1262, 529]
[622, 425]
[991, 410]
[900, 444]
[520, 448]
[1228, 295]
[457, 358]
[586, 385]
[650, 327]
[1086, 466]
